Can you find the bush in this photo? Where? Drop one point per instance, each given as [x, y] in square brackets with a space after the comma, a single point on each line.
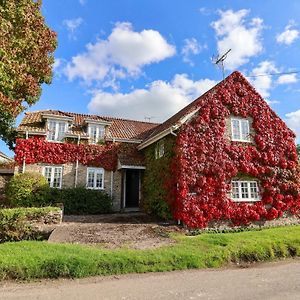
[16, 224]
[28, 189]
[80, 200]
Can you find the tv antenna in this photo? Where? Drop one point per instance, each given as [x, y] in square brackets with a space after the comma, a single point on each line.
[219, 61]
[148, 119]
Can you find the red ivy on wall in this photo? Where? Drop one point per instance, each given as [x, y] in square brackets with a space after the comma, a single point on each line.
[38, 150]
[206, 160]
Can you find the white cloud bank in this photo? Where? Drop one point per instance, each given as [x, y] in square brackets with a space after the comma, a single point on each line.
[124, 53]
[159, 100]
[293, 121]
[288, 36]
[243, 38]
[264, 82]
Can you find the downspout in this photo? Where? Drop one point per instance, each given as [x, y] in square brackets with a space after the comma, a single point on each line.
[24, 158]
[111, 184]
[172, 132]
[76, 166]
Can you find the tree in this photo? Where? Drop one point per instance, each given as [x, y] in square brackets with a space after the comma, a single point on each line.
[26, 59]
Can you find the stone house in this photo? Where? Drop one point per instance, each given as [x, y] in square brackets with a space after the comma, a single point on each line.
[6, 172]
[225, 156]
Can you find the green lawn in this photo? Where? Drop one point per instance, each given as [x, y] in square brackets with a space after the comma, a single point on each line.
[30, 260]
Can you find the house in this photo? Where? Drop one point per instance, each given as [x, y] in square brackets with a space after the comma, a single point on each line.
[6, 172]
[4, 159]
[225, 156]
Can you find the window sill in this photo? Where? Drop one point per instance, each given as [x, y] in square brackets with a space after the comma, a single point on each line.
[245, 200]
[242, 141]
[97, 189]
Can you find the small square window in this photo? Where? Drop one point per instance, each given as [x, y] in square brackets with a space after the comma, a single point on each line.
[53, 176]
[240, 130]
[246, 191]
[96, 133]
[95, 178]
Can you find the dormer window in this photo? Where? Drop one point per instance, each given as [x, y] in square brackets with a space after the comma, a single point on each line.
[240, 130]
[56, 130]
[96, 133]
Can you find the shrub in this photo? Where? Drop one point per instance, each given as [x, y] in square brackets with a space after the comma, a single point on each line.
[80, 200]
[16, 224]
[28, 189]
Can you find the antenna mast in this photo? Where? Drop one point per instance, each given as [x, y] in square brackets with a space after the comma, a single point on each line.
[219, 61]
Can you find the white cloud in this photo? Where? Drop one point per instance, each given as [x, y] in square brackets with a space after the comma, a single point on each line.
[72, 24]
[159, 100]
[123, 53]
[263, 83]
[57, 64]
[191, 47]
[293, 121]
[233, 33]
[288, 36]
[287, 78]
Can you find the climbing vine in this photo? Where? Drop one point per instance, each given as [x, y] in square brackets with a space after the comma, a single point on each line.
[156, 181]
[38, 150]
[206, 160]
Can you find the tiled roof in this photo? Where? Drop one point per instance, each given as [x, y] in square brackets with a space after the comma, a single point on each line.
[118, 128]
[129, 155]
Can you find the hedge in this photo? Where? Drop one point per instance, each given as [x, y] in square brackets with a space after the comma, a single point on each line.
[17, 224]
[82, 201]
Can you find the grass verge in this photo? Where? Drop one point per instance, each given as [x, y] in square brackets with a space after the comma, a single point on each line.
[32, 260]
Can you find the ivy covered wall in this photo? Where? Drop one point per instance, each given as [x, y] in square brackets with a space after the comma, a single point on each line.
[158, 180]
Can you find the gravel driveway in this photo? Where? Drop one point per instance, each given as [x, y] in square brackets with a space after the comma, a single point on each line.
[132, 230]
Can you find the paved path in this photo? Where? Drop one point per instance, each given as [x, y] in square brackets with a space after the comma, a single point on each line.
[267, 281]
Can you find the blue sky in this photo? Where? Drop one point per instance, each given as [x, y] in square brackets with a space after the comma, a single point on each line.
[147, 59]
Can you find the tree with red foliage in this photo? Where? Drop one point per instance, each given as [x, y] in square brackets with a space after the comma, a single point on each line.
[26, 58]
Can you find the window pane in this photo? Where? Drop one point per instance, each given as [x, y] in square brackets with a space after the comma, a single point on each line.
[254, 190]
[235, 125]
[101, 132]
[98, 180]
[244, 190]
[51, 130]
[57, 177]
[91, 176]
[245, 130]
[61, 130]
[235, 190]
[48, 174]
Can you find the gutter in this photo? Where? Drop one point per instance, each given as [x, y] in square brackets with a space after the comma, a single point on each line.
[169, 130]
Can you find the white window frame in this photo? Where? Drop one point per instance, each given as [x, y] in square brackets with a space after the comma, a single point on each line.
[240, 121]
[52, 175]
[56, 130]
[248, 191]
[159, 149]
[96, 171]
[99, 129]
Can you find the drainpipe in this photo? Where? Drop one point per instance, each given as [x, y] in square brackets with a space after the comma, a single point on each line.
[76, 166]
[24, 158]
[172, 132]
[111, 183]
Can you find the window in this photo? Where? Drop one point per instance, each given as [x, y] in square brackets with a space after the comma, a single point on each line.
[244, 191]
[53, 176]
[96, 133]
[240, 130]
[56, 130]
[95, 178]
[159, 149]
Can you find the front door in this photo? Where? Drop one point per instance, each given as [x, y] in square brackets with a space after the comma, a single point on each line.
[132, 188]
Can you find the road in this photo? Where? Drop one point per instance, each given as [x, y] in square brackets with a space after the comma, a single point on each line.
[267, 281]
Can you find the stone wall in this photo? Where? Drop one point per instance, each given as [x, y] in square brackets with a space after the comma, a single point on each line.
[68, 180]
[4, 178]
